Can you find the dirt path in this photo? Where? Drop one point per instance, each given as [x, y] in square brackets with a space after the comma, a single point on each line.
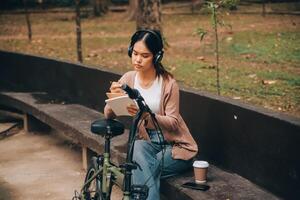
[39, 166]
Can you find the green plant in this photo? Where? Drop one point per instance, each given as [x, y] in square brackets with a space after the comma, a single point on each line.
[214, 7]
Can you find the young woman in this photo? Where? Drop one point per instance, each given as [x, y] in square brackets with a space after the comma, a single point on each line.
[161, 93]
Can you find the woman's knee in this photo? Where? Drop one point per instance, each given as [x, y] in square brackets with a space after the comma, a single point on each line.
[142, 148]
[144, 154]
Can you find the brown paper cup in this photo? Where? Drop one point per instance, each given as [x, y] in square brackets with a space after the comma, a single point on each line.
[200, 171]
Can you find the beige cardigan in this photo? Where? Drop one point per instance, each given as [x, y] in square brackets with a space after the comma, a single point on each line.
[173, 126]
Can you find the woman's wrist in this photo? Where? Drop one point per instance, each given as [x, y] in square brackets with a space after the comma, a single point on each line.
[146, 119]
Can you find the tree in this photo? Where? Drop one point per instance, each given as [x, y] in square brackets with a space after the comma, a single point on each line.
[263, 8]
[27, 20]
[214, 7]
[78, 31]
[196, 4]
[100, 7]
[132, 10]
[149, 15]
[96, 6]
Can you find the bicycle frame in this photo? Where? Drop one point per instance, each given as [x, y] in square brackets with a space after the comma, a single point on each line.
[106, 169]
[110, 172]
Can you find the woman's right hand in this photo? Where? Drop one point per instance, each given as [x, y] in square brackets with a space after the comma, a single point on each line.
[116, 87]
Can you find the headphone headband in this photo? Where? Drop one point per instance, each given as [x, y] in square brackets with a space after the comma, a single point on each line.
[158, 37]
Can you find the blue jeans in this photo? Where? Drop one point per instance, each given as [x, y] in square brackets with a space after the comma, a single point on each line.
[154, 165]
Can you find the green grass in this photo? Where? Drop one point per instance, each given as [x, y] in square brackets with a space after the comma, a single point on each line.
[268, 47]
[193, 74]
[289, 78]
[97, 42]
[248, 56]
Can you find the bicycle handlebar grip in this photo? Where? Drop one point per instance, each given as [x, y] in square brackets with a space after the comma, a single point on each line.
[132, 93]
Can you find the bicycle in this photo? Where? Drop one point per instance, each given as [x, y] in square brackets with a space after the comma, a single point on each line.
[102, 174]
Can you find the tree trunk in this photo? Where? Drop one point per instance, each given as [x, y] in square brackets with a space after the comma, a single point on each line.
[264, 8]
[96, 7]
[41, 4]
[27, 20]
[104, 6]
[215, 24]
[78, 31]
[149, 15]
[100, 7]
[132, 10]
[196, 5]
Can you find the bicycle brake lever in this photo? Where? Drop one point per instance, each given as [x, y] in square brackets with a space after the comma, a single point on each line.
[137, 164]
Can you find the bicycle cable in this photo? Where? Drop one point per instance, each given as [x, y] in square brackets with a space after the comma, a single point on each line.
[134, 94]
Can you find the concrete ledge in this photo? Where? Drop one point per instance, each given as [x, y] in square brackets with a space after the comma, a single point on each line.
[74, 121]
[223, 185]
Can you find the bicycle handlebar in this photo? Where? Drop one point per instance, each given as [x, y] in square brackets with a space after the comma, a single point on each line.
[135, 95]
[132, 93]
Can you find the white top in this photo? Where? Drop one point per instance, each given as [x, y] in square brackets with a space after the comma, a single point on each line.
[152, 95]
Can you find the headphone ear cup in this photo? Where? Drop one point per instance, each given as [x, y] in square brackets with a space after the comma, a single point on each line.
[158, 57]
[130, 48]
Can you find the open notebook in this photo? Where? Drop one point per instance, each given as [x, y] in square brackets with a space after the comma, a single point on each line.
[118, 103]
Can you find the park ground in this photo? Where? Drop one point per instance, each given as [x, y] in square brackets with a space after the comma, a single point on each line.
[39, 166]
[259, 56]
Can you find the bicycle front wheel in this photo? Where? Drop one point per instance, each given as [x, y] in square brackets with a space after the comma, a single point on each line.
[93, 190]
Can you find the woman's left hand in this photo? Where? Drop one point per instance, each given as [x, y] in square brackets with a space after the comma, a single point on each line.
[133, 109]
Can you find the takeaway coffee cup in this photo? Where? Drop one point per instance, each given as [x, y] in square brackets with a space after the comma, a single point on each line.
[200, 170]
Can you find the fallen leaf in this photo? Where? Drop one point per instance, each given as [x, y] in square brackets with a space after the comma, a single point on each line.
[228, 39]
[173, 68]
[200, 58]
[268, 82]
[248, 56]
[252, 75]
[92, 54]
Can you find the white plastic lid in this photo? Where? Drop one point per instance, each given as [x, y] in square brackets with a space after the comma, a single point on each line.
[200, 164]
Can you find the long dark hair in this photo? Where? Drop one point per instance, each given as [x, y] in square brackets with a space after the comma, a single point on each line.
[154, 43]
